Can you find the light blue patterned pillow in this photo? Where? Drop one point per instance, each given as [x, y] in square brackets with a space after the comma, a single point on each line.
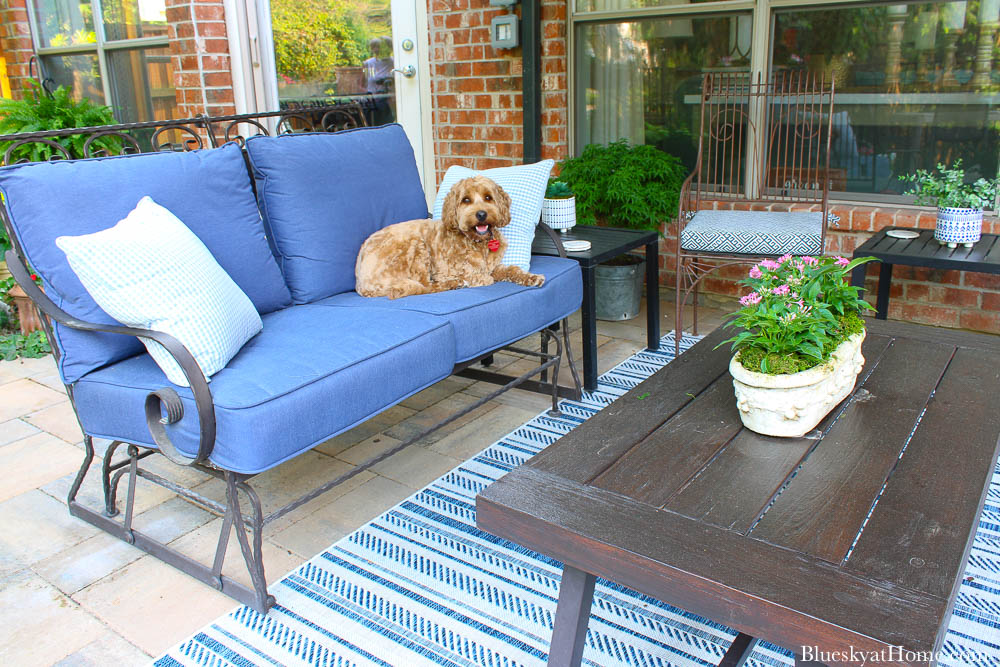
[526, 185]
[150, 271]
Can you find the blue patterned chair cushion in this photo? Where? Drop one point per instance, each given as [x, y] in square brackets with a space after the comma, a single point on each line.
[754, 232]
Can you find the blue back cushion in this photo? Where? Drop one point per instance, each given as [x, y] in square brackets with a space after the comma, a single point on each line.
[210, 191]
[323, 194]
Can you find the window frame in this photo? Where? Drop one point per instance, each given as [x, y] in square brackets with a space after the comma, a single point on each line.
[762, 38]
[100, 47]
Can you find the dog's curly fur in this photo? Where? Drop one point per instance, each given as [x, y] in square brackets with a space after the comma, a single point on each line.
[426, 256]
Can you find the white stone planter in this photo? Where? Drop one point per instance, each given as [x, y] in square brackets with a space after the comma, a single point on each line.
[792, 405]
[559, 213]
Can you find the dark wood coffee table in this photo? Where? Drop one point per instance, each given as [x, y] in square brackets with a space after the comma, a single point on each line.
[664, 491]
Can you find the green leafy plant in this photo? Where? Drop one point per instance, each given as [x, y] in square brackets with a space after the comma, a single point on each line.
[798, 311]
[947, 188]
[38, 112]
[624, 185]
[31, 346]
[558, 190]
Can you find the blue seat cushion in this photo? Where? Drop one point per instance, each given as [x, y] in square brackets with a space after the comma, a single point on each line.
[754, 232]
[486, 318]
[323, 194]
[210, 191]
[312, 372]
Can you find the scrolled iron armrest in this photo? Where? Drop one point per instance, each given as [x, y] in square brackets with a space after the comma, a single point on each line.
[156, 401]
[554, 235]
[684, 209]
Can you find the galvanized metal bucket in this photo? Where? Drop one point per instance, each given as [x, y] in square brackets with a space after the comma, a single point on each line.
[618, 291]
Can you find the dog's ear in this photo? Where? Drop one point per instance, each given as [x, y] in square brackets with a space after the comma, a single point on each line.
[503, 203]
[449, 209]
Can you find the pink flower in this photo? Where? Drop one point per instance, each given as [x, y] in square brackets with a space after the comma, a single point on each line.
[779, 290]
[811, 261]
[755, 271]
[842, 261]
[784, 258]
[751, 299]
[769, 264]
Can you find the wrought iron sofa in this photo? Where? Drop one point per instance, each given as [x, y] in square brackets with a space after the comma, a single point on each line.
[287, 230]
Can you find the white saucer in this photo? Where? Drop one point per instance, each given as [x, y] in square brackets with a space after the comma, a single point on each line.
[902, 233]
[576, 246]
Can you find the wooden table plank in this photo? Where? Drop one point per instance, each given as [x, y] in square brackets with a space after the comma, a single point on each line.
[756, 588]
[917, 536]
[822, 510]
[981, 249]
[668, 457]
[591, 448]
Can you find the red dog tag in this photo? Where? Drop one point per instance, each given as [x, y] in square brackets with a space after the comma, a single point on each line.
[493, 245]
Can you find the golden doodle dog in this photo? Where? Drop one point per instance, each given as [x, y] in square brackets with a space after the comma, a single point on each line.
[462, 249]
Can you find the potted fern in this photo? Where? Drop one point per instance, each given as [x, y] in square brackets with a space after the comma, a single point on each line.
[623, 185]
[559, 206]
[959, 204]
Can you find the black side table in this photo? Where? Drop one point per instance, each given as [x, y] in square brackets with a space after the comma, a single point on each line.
[982, 257]
[605, 243]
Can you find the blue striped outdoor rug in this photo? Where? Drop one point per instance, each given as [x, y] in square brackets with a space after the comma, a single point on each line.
[420, 585]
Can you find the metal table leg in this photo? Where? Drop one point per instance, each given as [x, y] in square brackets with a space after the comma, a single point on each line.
[588, 327]
[884, 282]
[576, 592]
[739, 651]
[652, 295]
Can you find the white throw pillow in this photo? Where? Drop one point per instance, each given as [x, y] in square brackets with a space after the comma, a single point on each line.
[526, 185]
[150, 271]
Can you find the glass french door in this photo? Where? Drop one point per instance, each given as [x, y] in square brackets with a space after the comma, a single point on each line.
[302, 53]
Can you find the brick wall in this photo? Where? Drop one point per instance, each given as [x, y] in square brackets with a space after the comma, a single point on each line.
[956, 299]
[15, 43]
[200, 51]
[476, 89]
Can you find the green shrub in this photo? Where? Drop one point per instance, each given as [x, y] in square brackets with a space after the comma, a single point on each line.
[38, 112]
[16, 345]
[624, 185]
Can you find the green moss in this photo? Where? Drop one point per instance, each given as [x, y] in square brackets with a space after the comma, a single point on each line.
[757, 359]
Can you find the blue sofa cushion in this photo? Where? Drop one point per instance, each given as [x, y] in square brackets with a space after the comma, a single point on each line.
[323, 194]
[486, 318]
[210, 191]
[312, 372]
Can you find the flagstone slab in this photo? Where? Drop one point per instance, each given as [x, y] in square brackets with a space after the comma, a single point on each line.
[13, 430]
[59, 420]
[22, 397]
[109, 649]
[35, 461]
[35, 526]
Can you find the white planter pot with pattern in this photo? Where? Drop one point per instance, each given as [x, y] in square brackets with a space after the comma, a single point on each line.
[559, 213]
[793, 404]
[958, 225]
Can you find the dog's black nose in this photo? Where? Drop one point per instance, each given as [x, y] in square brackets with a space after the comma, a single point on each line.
[480, 215]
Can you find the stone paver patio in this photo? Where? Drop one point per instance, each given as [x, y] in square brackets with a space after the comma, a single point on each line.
[73, 595]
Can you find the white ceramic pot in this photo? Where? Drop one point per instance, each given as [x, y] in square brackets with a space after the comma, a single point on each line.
[958, 225]
[559, 213]
[792, 405]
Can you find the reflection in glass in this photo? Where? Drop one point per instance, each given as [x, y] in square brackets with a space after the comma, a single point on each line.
[141, 84]
[641, 80]
[612, 5]
[130, 19]
[79, 73]
[64, 22]
[917, 84]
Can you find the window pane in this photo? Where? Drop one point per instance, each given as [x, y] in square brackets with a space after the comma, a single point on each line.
[79, 73]
[613, 5]
[64, 22]
[129, 19]
[142, 84]
[642, 80]
[916, 85]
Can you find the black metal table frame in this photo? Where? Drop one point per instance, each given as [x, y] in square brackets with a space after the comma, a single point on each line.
[588, 264]
[983, 257]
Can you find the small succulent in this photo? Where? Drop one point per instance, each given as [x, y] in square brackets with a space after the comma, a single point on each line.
[558, 190]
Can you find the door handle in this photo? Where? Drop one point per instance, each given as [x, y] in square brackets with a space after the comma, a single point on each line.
[409, 71]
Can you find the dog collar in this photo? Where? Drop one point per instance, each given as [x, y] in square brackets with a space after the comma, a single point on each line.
[493, 245]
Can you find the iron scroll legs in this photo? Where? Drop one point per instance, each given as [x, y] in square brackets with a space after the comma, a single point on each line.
[576, 593]
[653, 296]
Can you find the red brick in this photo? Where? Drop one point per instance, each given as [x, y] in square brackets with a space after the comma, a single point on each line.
[951, 296]
[926, 220]
[219, 95]
[981, 280]
[215, 46]
[882, 219]
[210, 12]
[980, 321]
[930, 314]
[991, 301]
[916, 291]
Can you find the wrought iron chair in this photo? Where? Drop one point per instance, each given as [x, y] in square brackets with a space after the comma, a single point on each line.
[764, 143]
